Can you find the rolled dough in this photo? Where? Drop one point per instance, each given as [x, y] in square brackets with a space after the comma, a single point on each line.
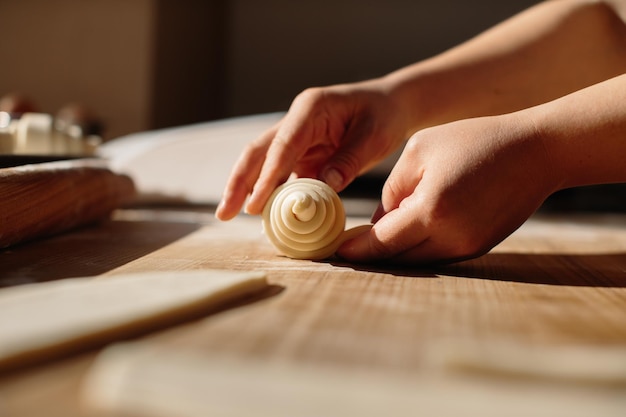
[305, 219]
[44, 320]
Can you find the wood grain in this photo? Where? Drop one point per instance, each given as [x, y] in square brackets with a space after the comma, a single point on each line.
[536, 288]
[558, 283]
[44, 199]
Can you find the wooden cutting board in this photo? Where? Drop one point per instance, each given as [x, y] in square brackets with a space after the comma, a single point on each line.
[42, 199]
[496, 329]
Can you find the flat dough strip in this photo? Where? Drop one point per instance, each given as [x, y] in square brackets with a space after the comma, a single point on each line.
[305, 219]
[146, 380]
[40, 321]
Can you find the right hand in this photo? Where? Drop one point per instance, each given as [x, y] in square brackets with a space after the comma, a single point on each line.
[457, 190]
[332, 134]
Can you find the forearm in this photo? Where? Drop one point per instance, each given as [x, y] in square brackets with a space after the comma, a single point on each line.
[584, 134]
[543, 53]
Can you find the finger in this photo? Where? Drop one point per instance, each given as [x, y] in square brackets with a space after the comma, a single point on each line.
[400, 222]
[294, 137]
[352, 157]
[378, 213]
[403, 179]
[395, 233]
[309, 165]
[243, 176]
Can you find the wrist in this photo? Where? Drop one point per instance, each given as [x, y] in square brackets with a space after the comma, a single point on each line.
[534, 152]
[408, 89]
[583, 133]
[435, 94]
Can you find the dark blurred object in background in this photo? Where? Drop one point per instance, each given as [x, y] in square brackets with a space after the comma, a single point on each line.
[139, 65]
[593, 198]
[79, 116]
[146, 64]
[17, 103]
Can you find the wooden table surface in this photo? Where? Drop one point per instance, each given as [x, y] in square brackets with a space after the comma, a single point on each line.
[557, 284]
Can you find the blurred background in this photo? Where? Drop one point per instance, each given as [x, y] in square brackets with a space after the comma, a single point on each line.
[145, 64]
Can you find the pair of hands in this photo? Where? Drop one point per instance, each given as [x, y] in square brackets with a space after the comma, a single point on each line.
[456, 191]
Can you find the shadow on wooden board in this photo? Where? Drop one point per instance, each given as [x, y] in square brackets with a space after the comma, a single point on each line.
[92, 250]
[597, 270]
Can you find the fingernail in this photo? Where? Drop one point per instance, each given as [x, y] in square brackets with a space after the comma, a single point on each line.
[251, 206]
[219, 209]
[380, 212]
[333, 177]
[251, 198]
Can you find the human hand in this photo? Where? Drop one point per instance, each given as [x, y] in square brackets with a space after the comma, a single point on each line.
[457, 190]
[332, 134]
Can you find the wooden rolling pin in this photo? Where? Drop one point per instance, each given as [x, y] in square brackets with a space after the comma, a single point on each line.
[39, 200]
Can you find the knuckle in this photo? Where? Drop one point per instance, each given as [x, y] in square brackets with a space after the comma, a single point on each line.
[310, 96]
[282, 144]
[414, 143]
[348, 163]
[388, 242]
[392, 192]
[422, 141]
[255, 147]
[381, 249]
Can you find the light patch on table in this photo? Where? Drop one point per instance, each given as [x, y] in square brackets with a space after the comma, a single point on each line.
[138, 379]
[58, 317]
[601, 366]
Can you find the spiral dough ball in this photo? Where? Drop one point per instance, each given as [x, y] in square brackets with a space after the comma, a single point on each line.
[305, 219]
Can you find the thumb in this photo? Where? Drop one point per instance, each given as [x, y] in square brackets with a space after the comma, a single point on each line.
[398, 222]
[402, 183]
[396, 232]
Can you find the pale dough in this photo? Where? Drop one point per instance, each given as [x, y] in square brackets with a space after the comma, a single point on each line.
[305, 219]
[146, 380]
[54, 318]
